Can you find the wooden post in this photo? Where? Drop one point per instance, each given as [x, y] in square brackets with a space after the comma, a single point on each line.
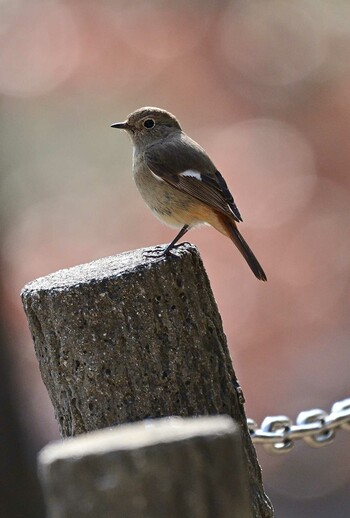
[126, 338]
[173, 468]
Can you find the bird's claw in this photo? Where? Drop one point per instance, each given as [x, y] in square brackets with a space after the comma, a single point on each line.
[155, 254]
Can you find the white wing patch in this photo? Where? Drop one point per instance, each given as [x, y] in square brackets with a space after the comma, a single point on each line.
[192, 174]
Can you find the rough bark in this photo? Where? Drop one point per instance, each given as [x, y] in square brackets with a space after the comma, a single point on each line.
[174, 468]
[126, 338]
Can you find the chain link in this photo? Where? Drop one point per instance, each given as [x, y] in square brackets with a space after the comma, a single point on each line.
[277, 434]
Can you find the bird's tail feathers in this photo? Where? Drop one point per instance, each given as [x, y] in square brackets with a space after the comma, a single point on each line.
[237, 238]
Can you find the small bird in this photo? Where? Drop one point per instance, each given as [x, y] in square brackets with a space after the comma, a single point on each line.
[179, 182]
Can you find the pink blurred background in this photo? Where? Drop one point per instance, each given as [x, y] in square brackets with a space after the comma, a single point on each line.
[265, 88]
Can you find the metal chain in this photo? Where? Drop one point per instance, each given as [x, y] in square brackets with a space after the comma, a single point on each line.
[317, 428]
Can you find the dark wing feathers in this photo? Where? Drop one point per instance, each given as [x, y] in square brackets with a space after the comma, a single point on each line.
[172, 157]
[227, 195]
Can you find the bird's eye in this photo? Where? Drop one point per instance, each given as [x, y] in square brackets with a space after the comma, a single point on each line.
[149, 123]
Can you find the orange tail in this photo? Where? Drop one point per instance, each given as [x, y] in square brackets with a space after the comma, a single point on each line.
[233, 233]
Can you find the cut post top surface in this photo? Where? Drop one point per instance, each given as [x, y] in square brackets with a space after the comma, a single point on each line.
[138, 435]
[107, 267]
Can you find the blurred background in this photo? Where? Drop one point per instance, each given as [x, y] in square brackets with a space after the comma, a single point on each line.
[265, 88]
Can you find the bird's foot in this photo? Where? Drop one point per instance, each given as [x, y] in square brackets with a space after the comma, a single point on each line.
[156, 253]
[159, 252]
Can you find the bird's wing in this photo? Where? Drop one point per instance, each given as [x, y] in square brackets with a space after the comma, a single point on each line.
[184, 164]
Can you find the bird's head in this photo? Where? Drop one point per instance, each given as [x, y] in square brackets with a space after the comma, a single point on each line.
[147, 125]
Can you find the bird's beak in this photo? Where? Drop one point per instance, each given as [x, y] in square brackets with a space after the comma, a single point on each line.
[120, 125]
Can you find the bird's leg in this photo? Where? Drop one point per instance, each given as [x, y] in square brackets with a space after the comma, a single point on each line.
[182, 232]
[167, 250]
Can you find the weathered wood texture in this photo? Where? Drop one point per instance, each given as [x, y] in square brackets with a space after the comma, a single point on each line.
[125, 338]
[173, 468]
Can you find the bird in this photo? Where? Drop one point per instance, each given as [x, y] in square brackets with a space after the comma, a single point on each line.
[179, 182]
